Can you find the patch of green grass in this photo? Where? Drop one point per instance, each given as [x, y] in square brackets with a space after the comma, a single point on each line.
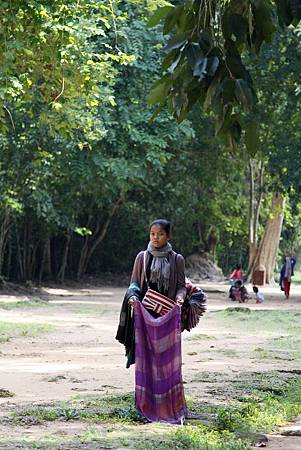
[264, 321]
[89, 310]
[262, 411]
[33, 302]
[297, 277]
[229, 352]
[262, 353]
[285, 343]
[4, 393]
[199, 337]
[52, 441]
[193, 437]
[93, 408]
[276, 354]
[9, 330]
[146, 438]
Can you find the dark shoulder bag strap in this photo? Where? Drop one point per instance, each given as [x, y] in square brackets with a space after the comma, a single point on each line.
[144, 267]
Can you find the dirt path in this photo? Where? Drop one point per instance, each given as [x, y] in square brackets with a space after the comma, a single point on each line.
[82, 357]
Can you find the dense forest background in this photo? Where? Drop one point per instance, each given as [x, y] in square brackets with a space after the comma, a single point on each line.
[84, 169]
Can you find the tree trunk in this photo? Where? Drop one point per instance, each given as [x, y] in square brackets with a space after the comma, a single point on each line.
[212, 242]
[45, 268]
[4, 234]
[9, 257]
[20, 266]
[92, 242]
[256, 178]
[267, 252]
[82, 264]
[61, 273]
[27, 248]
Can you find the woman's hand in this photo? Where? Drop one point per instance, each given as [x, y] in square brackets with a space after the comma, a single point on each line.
[132, 300]
[179, 300]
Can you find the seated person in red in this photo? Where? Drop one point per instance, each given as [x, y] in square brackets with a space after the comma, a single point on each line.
[237, 274]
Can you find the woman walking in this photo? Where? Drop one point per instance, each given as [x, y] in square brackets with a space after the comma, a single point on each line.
[286, 273]
[153, 336]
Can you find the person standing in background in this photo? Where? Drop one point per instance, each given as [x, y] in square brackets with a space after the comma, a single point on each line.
[286, 273]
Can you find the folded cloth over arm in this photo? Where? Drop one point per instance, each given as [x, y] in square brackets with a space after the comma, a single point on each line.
[126, 333]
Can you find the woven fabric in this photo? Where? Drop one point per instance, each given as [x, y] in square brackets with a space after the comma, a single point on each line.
[158, 371]
[157, 302]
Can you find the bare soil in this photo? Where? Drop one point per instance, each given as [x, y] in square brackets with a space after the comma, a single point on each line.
[82, 356]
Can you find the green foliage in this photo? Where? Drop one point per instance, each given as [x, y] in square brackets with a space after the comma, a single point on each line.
[204, 59]
[86, 173]
[50, 59]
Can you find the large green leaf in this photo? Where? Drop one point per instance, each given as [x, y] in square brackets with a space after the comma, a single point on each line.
[179, 103]
[238, 26]
[205, 41]
[172, 19]
[177, 41]
[234, 132]
[169, 58]
[244, 94]
[235, 64]
[158, 93]
[194, 53]
[284, 12]
[223, 124]
[252, 138]
[264, 24]
[159, 15]
[211, 91]
[200, 69]
[213, 63]
[175, 63]
[227, 90]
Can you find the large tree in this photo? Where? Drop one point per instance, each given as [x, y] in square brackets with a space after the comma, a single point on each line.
[276, 79]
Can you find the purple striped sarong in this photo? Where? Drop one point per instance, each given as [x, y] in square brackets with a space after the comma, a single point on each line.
[159, 394]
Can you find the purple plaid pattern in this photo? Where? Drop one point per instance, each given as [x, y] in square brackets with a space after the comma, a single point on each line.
[158, 373]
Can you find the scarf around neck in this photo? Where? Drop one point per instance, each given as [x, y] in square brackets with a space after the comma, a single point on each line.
[160, 267]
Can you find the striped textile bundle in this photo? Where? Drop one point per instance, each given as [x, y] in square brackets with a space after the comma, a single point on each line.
[197, 303]
[159, 393]
[193, 307]
[157, 302]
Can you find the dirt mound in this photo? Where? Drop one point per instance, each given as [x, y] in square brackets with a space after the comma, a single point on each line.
[200, 266]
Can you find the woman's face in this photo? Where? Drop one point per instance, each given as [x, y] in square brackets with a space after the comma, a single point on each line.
[158, 236]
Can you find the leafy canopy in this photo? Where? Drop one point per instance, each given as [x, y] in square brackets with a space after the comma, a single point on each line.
[49, 56]
[204, 59]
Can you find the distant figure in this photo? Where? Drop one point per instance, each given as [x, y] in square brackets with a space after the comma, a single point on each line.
[243, 293]
[239, 292]
[259, 297]
[286, 273]
[234, 292]
[237, 274]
